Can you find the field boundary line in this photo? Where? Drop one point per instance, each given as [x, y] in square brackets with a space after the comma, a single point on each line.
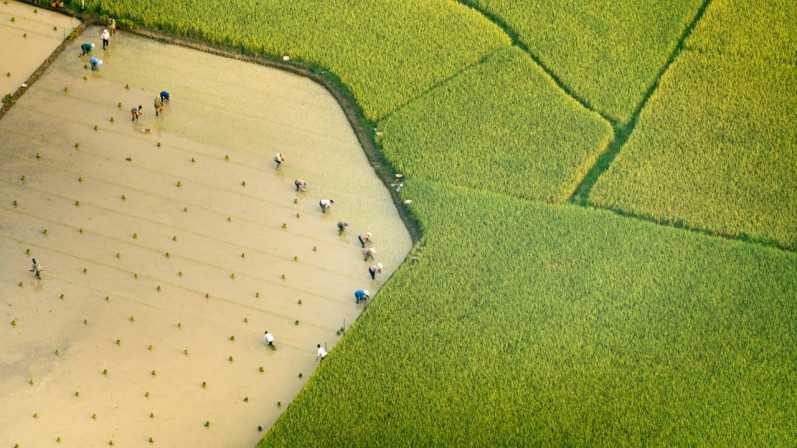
[624, 132]
[157, 281]
[162, 197]
[678, 224]
[563, 86]
[442, 82]
[171, 226]
[143, 304]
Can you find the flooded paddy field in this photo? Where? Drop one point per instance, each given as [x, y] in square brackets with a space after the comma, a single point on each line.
[170, 244]
[28, 35]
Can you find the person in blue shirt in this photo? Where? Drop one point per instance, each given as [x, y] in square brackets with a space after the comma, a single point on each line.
[85, 48]
[95, 63]
[361, 295]
[165, 96]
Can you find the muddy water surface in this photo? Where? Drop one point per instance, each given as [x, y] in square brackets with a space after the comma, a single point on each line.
[170, 244]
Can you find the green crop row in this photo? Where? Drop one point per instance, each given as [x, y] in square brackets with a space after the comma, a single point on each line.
[608, 52]
[749, 29]
[526, 324]
[715, 149]
[502, 125]
[378, 48]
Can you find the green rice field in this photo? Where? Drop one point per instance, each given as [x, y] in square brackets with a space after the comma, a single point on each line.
[658, 309]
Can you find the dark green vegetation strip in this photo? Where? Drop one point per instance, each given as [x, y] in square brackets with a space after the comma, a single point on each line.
[503, 126]
[526, 324]
[379, 48]
[750, 29]
[716, 149]
[608, 52]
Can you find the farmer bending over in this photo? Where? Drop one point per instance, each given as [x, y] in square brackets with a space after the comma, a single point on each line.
[85, 48]
[268, 339]
[300, 185]
[375, 269]
[136, 112]
[342, 227]
[365, 239]
[361, 295]
[278, 159]
[36, 269]
[95, 63]
[165, 96]
[325, 204]
[158, 104]
[369, 253]
[322, 353]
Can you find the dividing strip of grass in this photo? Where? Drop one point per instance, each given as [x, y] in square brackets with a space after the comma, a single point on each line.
[385, 51]
[503, 126]
[608, 52]
[525, 324]
[749, 29]
[716, 149]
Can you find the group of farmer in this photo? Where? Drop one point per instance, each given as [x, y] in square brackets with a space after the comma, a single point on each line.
[160, 102]
[86, 48]
[366, 244]
[300, 185]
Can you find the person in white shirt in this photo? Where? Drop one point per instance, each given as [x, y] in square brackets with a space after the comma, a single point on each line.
[105, 35]
[325, 204]
[278, 159]
[322, 353]
[36, 269]
[268, 339]
[369, 253]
